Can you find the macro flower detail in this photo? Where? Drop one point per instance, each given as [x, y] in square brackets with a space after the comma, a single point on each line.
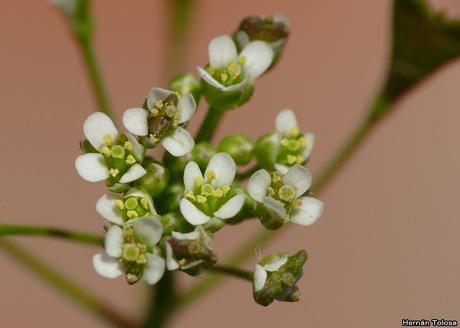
[285, 147]
[132, 249]
[117, 157]
[190, 252]
[280, 197]
[275, 278]
[118, 209]
[211, 196]
[163, 120]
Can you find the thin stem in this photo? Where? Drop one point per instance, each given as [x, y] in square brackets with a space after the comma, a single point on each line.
[209, 125]
[162, 302]
[235, 272]
[83, 237]
[63, 285]
[95, 76]
[332, 168]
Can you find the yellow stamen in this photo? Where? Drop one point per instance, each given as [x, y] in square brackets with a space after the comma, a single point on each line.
[145, 203]
[128, 145]
[198, 182]
[159, 104]
[120, 204]
[105, 151]
[201, 199]
[294, 132]
[114, 172]
[303, 141]
[107, 139]
[211, 175]
[291, 159]
[131, 214]
[154, 111]
[130, 160]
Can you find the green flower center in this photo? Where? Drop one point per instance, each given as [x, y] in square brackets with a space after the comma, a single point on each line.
[292, 148]
[133, 207]
[207, 197]
[119, 157]
[133, 258]
[286, 194]
[230, 74]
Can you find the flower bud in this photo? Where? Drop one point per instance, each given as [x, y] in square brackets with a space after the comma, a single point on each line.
[266, 150]
[202, 153]
[273, 29]
[155, 180]
[173, 221]
[175, 165]
[276, 276]
[187, 83]
[238, 146]
[169, 200]
[190, 252]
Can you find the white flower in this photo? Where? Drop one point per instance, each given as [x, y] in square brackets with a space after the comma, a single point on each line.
[118, 209]
[230, 71]
[128, 249]
[162, 122]
[295, 147]
[118, 155]
[261, 271]
[282, 194]
[212, 195]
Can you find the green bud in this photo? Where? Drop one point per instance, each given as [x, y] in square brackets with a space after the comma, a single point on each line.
[202, 153]
[270, 216]
[213, 225]
[226, 99]
[169, 200]
[155, 180]
[176, 165]
[118, 187]
[187, 83]
[174, 221]
[266, 150]
[273, 29]
[281, 284]
[239, 146]
[192, 254]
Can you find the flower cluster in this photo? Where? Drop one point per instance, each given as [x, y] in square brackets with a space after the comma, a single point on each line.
[161, 214]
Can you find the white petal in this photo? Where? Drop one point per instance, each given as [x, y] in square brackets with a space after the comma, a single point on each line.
[156, 94]
[171, 262]
[258, 184]
[91, 167]
[135, 121]
[260, 277]
[138, 149]
[134, 173]
[281, 168]
[113, 242]
[286, 121]
[310, 137]
[107, 208]
[154, 269]
[107, 266]
[186, 236]
[231, 207]
[259, 56]
[276, 264]
[223, 165]
[179, 143]
[274, 205]
[298, 177]
[191, 213]
[148, 229]
[142, 194]
[186, 107]
[191, 173]
[96, 127]
[308, 212]
[216, 84]
[221, 50]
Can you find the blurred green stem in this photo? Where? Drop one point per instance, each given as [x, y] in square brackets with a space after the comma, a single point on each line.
[64, 285]
[83, 237]
[332, 167]
[209, 125]
[232, 271]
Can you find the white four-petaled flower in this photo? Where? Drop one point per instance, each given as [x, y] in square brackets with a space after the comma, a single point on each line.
[128, 249]
[100, 131]
[211, 195]
[227, 66]
[177, 141]
[283, 194]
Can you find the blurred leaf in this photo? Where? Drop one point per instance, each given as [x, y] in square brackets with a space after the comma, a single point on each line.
[423, 40]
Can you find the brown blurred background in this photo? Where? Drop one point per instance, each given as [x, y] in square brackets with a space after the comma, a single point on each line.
[387, 245]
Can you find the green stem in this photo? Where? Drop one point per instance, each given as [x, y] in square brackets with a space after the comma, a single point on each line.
[235, 272]
[209, 125]
[162, 303]
[332, 167]
[95, 76]
[63, 285]
[83, 237]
